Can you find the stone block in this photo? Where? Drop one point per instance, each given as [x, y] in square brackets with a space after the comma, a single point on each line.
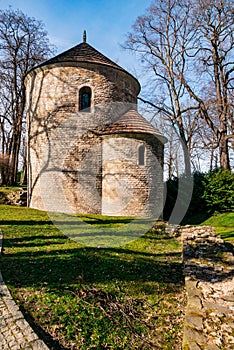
[193, 336]
[194, 322]
[212, 347]
[39, 345]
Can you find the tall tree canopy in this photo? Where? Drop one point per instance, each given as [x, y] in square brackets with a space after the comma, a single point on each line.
[188, 45]
[23, 44]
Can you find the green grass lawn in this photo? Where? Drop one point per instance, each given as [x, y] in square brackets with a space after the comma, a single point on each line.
[85, 297]
[223, 224]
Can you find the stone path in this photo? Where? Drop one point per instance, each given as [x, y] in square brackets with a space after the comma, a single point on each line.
[209, 280]
[15, 332]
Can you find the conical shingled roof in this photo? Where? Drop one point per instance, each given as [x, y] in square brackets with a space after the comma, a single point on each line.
[82, 53]
[132, 122]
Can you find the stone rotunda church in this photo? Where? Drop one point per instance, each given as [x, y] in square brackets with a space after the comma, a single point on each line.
[89, 150]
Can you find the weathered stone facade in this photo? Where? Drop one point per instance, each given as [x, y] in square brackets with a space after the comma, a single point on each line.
[140, 186]
[69, 163]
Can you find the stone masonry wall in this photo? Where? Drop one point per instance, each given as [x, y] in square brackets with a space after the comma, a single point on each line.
[209, 279]
[82, 175]
[66, 149]
[129, 188]
[55, 125]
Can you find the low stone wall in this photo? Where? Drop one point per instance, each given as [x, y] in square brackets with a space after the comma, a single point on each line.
[14, 197]
[209, 280]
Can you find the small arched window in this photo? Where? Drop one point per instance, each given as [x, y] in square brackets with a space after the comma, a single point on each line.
[141, 155]
[85, 99]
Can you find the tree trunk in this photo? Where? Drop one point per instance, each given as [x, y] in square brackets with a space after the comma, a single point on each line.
[223, 152]
[14, 157]
[187, 163]
[211, 158]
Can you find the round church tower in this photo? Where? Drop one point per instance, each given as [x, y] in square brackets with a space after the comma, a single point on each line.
[75, 101]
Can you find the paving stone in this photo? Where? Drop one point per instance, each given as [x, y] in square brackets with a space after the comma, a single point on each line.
[12, 343]
[22, 324]
[23, 345]
[3, 344]
[7, 333]
[15, 347]
[32, 337]
[39, 345]
[15, 332]
[15, 329]
[10, 339]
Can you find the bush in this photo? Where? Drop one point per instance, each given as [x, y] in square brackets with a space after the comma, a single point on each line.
[197, 207]
[219, 190]
[197, 210]
[212, 192]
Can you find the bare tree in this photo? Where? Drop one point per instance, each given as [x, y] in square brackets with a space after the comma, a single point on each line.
[160, 37]
[188, 45]
[214, 25]
[23, 44]
[174, 149]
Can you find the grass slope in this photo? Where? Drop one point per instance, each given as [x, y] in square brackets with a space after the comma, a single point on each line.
[224, 225]
[79, 297]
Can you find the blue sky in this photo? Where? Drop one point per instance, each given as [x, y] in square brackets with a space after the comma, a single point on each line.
[106, 22]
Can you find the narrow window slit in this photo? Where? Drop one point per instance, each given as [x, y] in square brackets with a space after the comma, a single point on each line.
[141, 155]
[85, 99]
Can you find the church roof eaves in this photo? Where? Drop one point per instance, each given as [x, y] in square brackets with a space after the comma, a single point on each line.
[133, 122]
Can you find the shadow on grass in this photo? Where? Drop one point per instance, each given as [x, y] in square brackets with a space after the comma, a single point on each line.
[60, 270]
[65, 267]
[227, 235]
[41, 260]
[95, 221]
[44, 222]
[42, 334]
[35, 241]
[26, 222]
[46, 241]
